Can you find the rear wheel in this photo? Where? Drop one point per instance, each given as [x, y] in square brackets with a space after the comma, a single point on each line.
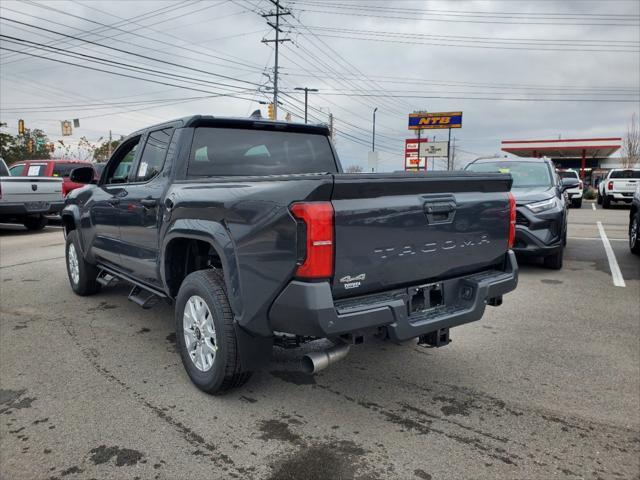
[577, 203]
[82, 275]
[554, 261]
[634, 233]
[206, 334]
[35, 223]
[599, 198]
[606, 201]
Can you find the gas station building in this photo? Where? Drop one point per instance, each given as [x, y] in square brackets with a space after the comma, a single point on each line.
[589, 156]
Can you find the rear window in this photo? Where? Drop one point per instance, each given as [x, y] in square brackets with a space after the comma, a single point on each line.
[568, 174]
[232, 152]
[36, 170]
[626, 174]
[64, 169]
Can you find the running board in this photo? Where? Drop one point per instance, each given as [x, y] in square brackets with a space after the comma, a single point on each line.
[143, 298]
[106, 279]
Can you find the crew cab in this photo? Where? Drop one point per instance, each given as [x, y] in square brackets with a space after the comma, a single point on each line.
[251, 229]
[27, 200]
[50, 168]
[618, 186]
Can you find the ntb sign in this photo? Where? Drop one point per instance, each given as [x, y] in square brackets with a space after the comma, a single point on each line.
[432, 121]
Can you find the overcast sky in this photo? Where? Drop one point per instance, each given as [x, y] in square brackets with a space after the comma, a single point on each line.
[500, 62]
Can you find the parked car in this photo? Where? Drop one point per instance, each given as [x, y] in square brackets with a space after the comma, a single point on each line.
[50, 168]
[27, 200]
[634, 222]
[541, 218]
[574, 194]
[618, 186]
[252, 230]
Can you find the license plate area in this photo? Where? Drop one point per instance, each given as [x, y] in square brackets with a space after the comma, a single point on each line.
[36, 206]
[425, 298]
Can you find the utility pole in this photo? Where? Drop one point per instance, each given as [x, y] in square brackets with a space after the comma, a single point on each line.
[373, 138]
[306, 98]
[330, 126]
[109, 147]
[276, 27]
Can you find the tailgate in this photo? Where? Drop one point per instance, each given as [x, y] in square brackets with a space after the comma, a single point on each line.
[625, 185]
[405, 229]
[31, 189]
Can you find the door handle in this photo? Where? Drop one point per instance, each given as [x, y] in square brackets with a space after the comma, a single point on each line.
[149, 202]
[438, 212]
[113, 200]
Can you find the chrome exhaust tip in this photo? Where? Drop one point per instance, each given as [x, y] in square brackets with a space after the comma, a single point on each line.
[315, 361]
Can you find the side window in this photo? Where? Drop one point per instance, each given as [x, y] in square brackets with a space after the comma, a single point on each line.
[64, 169]
[153, 155]
[36, 170]
[16, 170]
[121, 161]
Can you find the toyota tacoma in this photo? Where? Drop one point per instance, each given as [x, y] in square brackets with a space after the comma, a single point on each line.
[252, 230]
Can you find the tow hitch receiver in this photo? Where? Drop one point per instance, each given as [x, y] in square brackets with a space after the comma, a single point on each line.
[425, 297]
[439, 338]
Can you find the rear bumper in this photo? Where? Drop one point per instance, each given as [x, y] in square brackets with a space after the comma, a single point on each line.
[621, 196]
[20, 209]
[308, 309]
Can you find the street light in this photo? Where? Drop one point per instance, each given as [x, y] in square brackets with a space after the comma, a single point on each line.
[306, 94]
[373, 140]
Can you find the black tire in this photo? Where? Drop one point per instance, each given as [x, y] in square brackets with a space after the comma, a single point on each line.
[225, 372]
[86, 283]
[35, 223]
[606, 202]
[554, 261]
[634, 234]
[577, 203]
[599, 198]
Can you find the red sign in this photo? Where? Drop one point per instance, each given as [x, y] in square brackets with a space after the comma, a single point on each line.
[412, 160]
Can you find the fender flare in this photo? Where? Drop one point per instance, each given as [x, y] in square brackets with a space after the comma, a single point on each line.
[216, 235]
[73, 211]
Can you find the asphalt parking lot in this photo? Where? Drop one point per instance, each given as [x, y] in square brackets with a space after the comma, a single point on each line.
[546, 386]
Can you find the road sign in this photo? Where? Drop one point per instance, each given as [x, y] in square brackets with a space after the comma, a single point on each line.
[430, 121]
[412, 158]
[434, 149]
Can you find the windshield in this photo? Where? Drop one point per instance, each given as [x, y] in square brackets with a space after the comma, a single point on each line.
[625, 174]
[525, 174]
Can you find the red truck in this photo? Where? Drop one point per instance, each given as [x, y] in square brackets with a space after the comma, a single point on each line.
[50, 168]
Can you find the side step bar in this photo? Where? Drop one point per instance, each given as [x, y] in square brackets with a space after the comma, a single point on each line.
[106, 279]
[142, 297]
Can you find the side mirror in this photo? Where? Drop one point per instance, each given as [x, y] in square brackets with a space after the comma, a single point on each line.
[570, 182]
[82, 175]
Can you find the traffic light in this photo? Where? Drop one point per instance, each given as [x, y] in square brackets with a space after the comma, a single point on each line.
[51, 147]
[20, 127]
[272, 113]
[66, 128]
[30, 145]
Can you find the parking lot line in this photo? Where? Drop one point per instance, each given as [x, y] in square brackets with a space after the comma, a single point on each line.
[616, 274]
[593, 205]
[598, 238]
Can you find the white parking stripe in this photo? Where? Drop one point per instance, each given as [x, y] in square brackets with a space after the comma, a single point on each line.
[598, 238]
[593, 205]
[616, 274]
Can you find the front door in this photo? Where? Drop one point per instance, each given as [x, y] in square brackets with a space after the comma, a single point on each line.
[104, 209]
[141, 211]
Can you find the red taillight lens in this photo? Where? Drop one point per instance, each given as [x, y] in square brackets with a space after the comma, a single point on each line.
[318, 258]
[610, 186]
[512, 220]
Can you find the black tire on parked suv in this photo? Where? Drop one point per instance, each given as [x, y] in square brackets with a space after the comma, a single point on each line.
[606, 201]
[599, 198]
[554, 261]
[35, 223]
[634, 234]
[82, 274]
[205, 333]
[577, 203]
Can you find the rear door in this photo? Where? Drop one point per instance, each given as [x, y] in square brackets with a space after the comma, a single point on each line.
[407, 229]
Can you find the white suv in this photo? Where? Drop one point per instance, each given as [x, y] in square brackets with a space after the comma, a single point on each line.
[575, 194]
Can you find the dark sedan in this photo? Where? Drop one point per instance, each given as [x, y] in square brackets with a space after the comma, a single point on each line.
[541, 216]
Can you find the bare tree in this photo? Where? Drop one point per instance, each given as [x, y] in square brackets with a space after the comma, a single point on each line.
[353, 169]
[631, 144]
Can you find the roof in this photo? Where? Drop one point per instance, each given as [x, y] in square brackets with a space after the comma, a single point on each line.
[519, 159]
[238, 122]
[567, 148]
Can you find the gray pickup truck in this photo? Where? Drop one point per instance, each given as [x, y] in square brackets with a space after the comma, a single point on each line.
[27, 200]
[253, 231]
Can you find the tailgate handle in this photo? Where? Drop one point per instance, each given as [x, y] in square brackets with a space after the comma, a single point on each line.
[439, 212]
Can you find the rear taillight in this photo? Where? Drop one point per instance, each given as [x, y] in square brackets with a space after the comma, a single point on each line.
[610, 185]
[317, 217]
[512, 220]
